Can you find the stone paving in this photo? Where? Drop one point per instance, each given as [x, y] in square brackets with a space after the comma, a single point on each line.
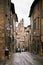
[25, 58]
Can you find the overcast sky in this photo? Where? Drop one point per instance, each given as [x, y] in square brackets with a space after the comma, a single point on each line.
[22, 8]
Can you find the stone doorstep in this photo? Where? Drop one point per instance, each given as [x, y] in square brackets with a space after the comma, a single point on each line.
[8, 62]
[2, 62]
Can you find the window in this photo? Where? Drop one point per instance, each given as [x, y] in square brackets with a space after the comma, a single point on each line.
[38, 23]
[42, 26]
[42, 4]
[34, 25]
[8, 2]
[42, 13]
[41, 8]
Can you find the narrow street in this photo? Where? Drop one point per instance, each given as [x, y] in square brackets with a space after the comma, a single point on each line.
[26, 58]
[21, 32]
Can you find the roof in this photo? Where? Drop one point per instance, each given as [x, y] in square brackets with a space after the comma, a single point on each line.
[25, 27]
[13, 11]
[16, 17]
[32, 7]
[12, 8]
[29, 26]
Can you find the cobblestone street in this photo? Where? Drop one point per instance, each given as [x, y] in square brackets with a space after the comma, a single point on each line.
[25, 58]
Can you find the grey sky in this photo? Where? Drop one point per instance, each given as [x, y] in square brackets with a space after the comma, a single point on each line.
[22, 8]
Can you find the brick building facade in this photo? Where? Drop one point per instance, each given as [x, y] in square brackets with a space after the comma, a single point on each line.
[4, 8]
[36, 18]
[7, 17]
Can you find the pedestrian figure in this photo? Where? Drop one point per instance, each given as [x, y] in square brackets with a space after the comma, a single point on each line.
[7, 53]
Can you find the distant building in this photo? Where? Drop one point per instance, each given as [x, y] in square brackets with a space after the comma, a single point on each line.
[20, 34]
[36, 20]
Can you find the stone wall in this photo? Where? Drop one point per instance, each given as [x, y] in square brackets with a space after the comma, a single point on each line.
[2, 37]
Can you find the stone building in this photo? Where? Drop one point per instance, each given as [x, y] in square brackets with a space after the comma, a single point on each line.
[4, 19]
[27, 37]
[14, 23]
[13, 19]
[36, 20]
[7, 17]
[20, 34]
